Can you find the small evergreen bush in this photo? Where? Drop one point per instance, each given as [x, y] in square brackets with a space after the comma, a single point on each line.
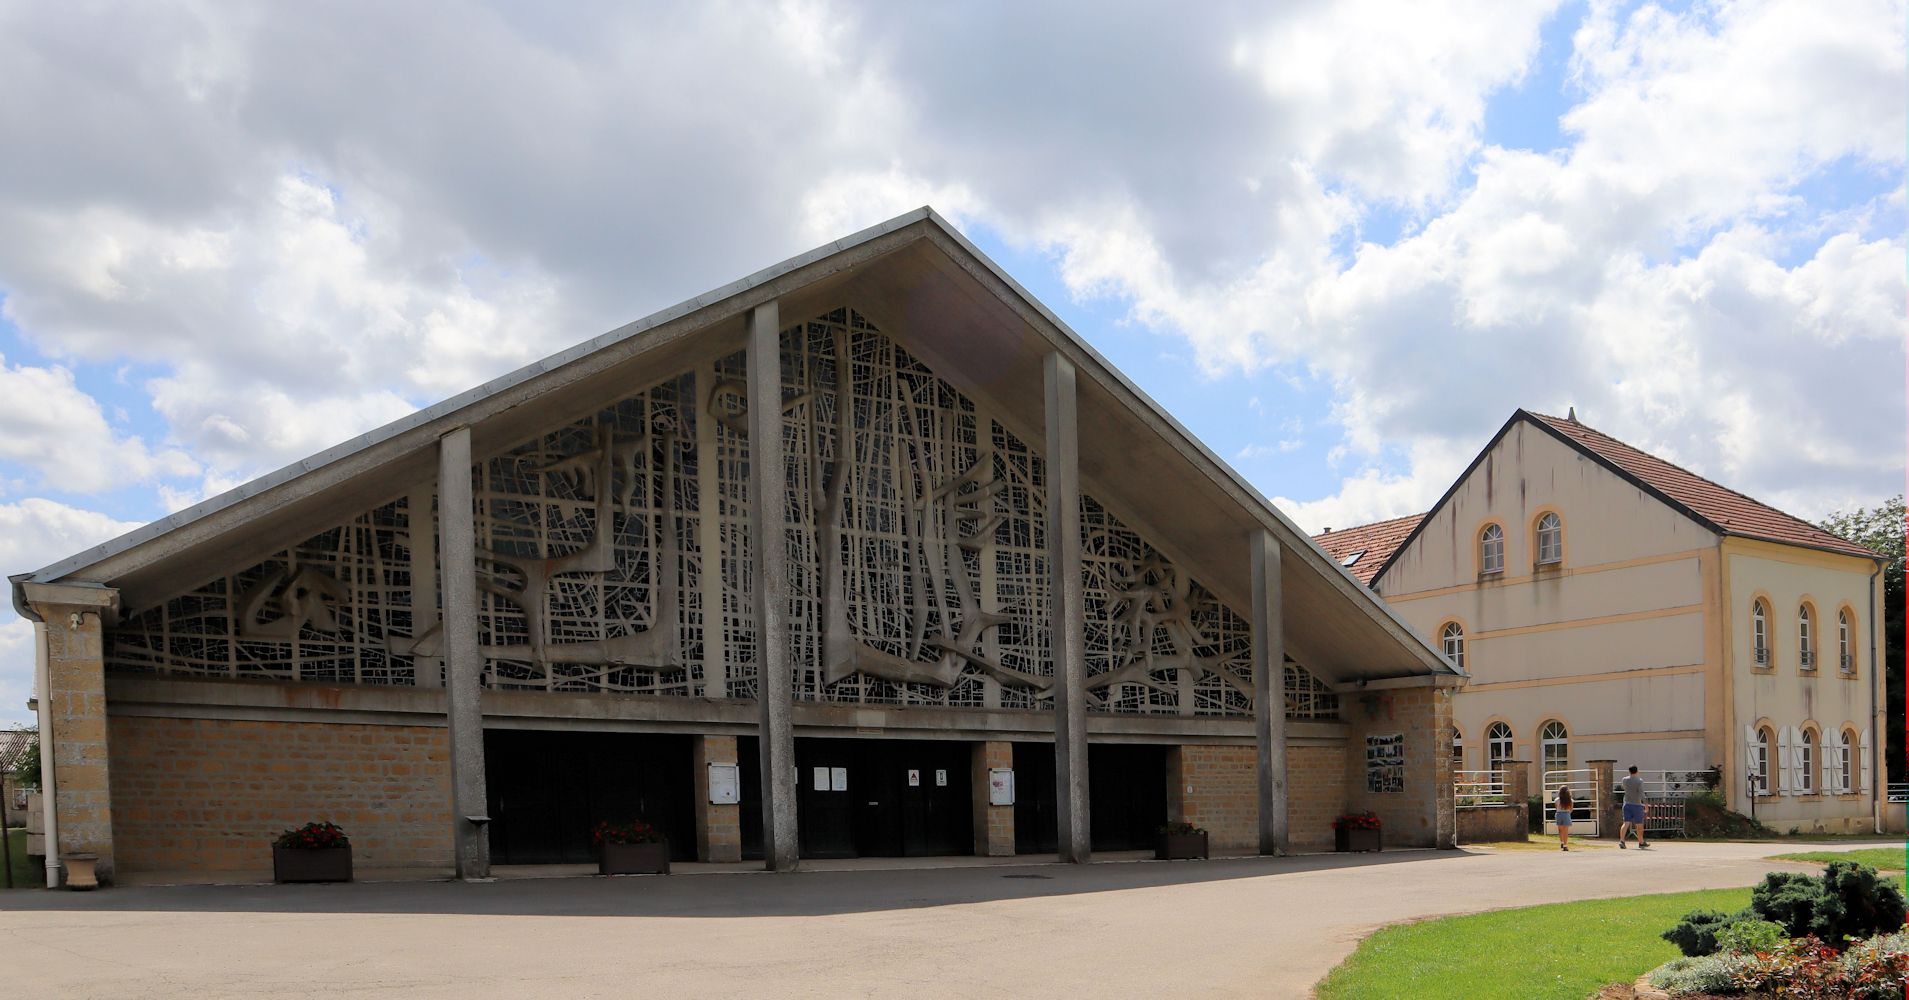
[1790, 899]
[1696, 934]
[1856, 903]
[1703, 974]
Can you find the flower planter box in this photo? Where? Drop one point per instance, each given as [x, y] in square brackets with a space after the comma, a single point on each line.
[297, 864]
[1180, 847]
[633, 859]
[1355, 840]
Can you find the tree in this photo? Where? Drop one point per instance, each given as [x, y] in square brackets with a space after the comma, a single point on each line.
[1881, 530]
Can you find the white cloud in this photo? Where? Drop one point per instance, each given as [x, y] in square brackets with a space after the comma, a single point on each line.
[49, 424]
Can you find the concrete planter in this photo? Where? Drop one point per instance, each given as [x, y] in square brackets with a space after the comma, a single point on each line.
[80, 872]
[1356, 840]
[1180, 847]
[633, 859]
[293, 864]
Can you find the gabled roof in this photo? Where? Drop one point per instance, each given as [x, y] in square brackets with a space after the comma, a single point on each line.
[1362, 550]
[1723, 509]
[964, 316]
[1718, 508]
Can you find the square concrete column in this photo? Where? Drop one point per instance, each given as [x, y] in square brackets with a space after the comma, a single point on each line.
[1067, 624]
[769, 552]
[1269, 695]
[463, 655]
[993, 825]
[1604, 772]
[75, 698]
[718, 827]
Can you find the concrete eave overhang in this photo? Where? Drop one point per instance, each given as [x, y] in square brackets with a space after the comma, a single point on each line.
[922, 282]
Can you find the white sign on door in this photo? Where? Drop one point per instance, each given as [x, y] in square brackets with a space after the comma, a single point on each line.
[821, 779]
[941, 778]
[838, 779]
[914, 778]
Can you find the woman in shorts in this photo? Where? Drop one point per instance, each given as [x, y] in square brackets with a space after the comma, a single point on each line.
[1564, 818]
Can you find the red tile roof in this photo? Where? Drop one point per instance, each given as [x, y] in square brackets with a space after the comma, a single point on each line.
[1729, 510]
[1375, 542]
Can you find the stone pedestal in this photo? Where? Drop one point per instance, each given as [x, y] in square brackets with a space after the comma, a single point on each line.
[1608, 814]
[993, 825]
[718, 827]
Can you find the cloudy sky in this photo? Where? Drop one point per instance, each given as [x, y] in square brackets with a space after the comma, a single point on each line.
[1341, 241]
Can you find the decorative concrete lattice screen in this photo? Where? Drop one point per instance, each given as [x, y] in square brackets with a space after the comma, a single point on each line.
[613, 558]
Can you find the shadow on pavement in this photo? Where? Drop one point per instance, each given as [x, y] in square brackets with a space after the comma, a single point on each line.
[757, 894]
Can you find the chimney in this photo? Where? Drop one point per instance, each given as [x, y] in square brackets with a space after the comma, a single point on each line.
[1571, 414]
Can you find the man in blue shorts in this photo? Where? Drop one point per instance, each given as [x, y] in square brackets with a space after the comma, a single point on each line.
[1633, 810]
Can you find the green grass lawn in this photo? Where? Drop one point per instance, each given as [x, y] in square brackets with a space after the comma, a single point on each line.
[1880, 858]
[25, 874]
[1561, 950]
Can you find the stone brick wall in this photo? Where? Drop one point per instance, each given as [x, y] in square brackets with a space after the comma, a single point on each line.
[1492, 824]
[718, 827]
[993, 825]
[1315, 792]
[1213, 787]
[210, 794]
[1422, 814]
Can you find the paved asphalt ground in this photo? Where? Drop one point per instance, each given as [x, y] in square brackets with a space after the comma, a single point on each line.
[1245, 928]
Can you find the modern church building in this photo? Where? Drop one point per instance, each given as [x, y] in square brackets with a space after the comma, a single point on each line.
[864, 554]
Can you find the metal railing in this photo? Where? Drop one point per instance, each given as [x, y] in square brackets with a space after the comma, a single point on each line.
[1476, 789]
[1584, 786]
[1899, 791]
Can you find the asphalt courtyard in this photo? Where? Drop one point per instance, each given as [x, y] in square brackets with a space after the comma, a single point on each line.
[1253, 927]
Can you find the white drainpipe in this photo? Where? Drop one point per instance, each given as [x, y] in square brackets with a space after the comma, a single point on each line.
[48, 789]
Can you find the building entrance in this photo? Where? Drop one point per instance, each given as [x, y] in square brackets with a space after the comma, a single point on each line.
[1126, 790]
[883, 798]
[548, 789]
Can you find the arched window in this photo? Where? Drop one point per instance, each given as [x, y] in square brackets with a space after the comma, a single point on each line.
[1452, 638]
[1554, 745]
[1846, 761]
[1498, 745]
[1805, 637]
[1845, 646]
[1550, 540]
[1806, 761]
[1760, 759]
[1760, 632]
[1491, 549]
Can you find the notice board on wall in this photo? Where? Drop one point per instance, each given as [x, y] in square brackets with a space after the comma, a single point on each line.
[1385, 762]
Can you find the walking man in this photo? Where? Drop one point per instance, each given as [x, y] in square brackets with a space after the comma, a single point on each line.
[1633, 810]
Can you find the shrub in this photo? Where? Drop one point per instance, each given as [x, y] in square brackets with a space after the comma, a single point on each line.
[1367, 820]
[1790, 899]
[633, 832]
[1696, 934]
[1534, 814]
[1703, 974]
[1180, 830]
[1811, 970]
[1747, 937]
[1856, 903]
[313, 837]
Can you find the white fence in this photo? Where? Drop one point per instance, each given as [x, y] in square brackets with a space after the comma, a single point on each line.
[1476, 789]
[1584, 799]
[1899, 791]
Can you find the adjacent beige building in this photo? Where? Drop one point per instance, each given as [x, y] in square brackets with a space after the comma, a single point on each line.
[1609, 605]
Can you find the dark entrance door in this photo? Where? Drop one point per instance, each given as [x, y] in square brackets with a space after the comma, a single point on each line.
[878, 798]
[548, 789]
[1126, 790]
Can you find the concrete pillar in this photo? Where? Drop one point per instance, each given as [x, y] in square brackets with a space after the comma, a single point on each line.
[75, 696]
[1067, 635]
[1608, 814]
[1269, 695]
[718, 827]
[769, 550]
[1445, 833]
[463, 655]
[993, 825]
[428, 671]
